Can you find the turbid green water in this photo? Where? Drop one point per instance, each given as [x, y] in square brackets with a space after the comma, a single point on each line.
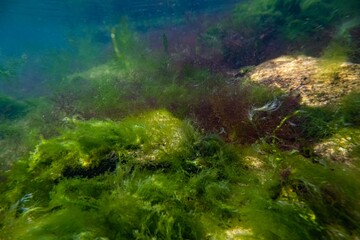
[142, 120]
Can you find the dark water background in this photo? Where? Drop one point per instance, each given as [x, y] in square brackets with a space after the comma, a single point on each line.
[30, 26]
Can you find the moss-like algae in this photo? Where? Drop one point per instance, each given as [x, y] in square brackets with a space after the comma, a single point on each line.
[154, 176]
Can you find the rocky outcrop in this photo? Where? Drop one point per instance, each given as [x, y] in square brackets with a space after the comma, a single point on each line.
[341, 147]
[318, 82]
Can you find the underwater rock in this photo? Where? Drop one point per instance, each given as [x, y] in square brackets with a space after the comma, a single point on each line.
[342, 147]
[11, 109]
[107, 164]
[238, 233]
[91, 148]
[318, 82]
[105, 72]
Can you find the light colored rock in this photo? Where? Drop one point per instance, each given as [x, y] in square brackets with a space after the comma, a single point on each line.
[238, 234]
[340, 147]
[318, 82]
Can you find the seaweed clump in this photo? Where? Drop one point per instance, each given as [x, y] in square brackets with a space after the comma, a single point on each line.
[155, 176]
[11, 109]
[264, 29]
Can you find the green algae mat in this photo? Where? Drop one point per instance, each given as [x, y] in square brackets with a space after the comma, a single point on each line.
[154, 176]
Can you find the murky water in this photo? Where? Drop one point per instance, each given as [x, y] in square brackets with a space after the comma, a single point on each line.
[37, 25]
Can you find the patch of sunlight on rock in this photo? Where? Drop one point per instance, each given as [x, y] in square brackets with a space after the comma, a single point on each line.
[238, 234]
[104, 72]
[317, 81]
[340, 147]
[254, 162]
[88, 236]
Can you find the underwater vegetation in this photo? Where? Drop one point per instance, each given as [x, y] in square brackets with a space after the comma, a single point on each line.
[11, 109]
[10, 67]
[148, 174]
[155, 176]
[263, 29]
[155, 144]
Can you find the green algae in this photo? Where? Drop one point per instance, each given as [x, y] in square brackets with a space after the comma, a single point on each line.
[170, 182]
[148, 174]
[11, 109]
[322, 122]
[292, 19]
[155, 176]
[263, 29]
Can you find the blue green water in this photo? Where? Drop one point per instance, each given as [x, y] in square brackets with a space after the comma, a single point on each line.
[31, 31]
[38, 25]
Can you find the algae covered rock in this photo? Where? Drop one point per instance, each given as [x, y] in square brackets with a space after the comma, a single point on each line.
[143, 177]
[84, 182]
[342, 147]
[91, 148]
[105, 72]
[317, 81]
[11, 109]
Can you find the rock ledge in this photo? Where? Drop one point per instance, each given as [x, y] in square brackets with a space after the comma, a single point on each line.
[318, 82]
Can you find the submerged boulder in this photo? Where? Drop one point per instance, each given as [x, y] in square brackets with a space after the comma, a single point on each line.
[91, 148]
[342, 147]
[318, 82]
